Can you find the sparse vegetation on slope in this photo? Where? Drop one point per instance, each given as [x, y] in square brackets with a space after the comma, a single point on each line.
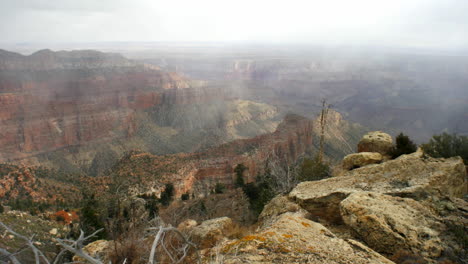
[447, 145]
[404, 145]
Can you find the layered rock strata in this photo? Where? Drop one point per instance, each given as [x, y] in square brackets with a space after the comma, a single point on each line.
[199, 172]
[53, 100]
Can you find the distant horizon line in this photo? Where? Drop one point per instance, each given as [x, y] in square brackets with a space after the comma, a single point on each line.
[75, 45]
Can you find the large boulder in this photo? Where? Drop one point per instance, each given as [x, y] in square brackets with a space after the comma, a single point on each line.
[389, 224]
[278, 206]
[357, 160]
[291, 238]
[410, 175]
[376, 141]
[209, 232]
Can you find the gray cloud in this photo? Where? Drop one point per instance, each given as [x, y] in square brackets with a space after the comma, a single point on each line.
[406, 23]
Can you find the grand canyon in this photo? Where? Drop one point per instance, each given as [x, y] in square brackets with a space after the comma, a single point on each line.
[168, 132]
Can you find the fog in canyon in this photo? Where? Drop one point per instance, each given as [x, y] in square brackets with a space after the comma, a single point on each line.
[184, 76]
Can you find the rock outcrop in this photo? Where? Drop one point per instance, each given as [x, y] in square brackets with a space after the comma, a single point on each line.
[291, 238]
[410, 204]
[376, 141]
[278, 206]
[410, 175]
[357, 160]
[209, 232]
[389, 224]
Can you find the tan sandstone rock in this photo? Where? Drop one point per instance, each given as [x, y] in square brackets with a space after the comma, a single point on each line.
[357, 160]
[98, 249]
[376, 141]
[211, 231]
[277, 206]
[53, 231]
[187, 225]
[410, 175]
[291, 238]
[388, 224]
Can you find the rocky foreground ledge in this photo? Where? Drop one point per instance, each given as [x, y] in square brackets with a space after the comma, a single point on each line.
[407, 208]
[412, 209]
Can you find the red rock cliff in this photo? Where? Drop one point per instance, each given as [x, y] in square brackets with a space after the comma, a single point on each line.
[199, 172]
[51, 100]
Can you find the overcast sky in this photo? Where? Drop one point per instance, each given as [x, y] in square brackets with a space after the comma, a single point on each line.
[404, 23]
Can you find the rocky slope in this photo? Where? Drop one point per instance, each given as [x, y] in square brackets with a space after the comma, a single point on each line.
[199, 172]
[32, 186]
[411, 209]
[145, 173]
[406, 210]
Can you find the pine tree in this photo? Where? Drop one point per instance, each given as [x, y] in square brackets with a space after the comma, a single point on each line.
[404, 145]
[239, 170]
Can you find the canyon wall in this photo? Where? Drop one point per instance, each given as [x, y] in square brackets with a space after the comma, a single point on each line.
[199, 172]
[418, 94]
[53, 100]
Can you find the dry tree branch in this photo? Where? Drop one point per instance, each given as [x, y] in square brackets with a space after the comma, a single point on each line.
[76, 247]
[9, 255]
[158, 239]
[37, 253]
[68, 245]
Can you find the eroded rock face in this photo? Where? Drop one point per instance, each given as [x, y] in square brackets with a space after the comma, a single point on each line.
[199, 172]
[51, 100]
[388, 224]
[278, 206]
[376, 141]
[211, 231]
[291, 238]
[357, 160]
[410, 175]
[408, 204]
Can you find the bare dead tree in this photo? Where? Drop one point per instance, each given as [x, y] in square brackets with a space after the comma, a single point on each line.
[181, 252]
[76, 247]
[162, 243]
[284, 176]
[38, 255]
[7, 255]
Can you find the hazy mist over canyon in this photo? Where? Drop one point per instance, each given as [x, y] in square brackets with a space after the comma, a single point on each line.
[393, 65]
[234, 131]
[398, 66]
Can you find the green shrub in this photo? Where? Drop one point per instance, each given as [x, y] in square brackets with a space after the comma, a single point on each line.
[185, 196]
[260, 192]
[152, 207]
[404, 145]
[446, 146]
[313, 170]
[167, 194]
[219, 188]
[239, 170]
[91, 219]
